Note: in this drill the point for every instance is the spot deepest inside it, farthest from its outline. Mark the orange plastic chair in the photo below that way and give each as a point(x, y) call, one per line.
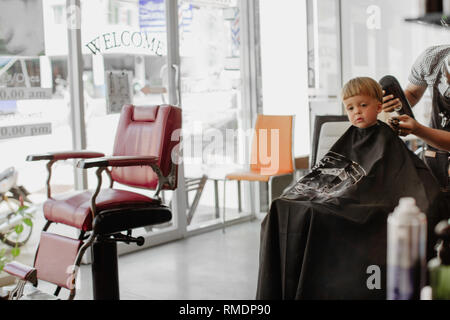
point(272, 154)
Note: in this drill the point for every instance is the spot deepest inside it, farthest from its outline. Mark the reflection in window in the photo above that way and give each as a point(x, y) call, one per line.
point(58, 14)
point(113, 12)
point(121, 12)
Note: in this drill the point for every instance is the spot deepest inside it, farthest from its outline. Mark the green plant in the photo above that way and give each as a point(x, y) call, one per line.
point(3, 259)
point(6, 255)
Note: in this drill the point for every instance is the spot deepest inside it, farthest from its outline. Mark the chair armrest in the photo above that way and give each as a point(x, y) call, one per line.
point(123, 161)
point(118, 161)
point(64, 155)
point(52, 157)
point(21, 271)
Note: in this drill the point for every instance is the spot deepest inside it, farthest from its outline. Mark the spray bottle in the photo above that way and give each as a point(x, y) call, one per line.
point(406, 251)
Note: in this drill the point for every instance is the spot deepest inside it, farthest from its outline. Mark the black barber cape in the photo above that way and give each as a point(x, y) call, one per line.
point(322, 235)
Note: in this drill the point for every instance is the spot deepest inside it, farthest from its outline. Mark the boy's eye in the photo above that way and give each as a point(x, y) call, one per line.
point(363, 105)
point(350, 108)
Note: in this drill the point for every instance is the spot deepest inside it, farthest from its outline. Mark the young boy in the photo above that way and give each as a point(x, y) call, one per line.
point(363, 100)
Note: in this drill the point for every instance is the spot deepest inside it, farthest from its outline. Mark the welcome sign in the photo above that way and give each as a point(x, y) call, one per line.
point(135, 41)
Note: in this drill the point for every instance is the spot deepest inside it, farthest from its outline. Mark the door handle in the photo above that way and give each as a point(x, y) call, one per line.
point(177, 83)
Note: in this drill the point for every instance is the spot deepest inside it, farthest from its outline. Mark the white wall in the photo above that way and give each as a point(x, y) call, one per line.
point(284, 64)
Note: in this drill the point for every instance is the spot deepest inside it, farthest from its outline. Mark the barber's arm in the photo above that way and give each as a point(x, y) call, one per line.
point(437, 138)
point(412, 92)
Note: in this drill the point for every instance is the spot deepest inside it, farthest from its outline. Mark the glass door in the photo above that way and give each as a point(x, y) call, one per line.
point(125, 53)
point(211, 90)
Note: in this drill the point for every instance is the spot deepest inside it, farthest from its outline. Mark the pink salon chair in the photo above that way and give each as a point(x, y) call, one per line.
point(144, 156)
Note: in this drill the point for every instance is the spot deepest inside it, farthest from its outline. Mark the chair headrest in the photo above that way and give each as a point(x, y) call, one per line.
point(145, 114)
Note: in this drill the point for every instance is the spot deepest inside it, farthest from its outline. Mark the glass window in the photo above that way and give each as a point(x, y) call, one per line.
point(34, 100)
point(124, 60)
point(374, 38)
point(323, 48)
point(377, 41)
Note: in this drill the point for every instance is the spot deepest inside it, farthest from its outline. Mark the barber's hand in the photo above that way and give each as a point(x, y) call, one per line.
point(390, 103)
point(403, 124)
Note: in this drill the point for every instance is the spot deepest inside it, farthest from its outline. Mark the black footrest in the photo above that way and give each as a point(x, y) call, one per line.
point(123, 219)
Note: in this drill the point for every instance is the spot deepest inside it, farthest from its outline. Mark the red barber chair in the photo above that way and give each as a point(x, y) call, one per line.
point(144, 156)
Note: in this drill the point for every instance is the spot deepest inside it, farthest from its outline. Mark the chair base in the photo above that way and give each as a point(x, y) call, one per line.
point(105, 277)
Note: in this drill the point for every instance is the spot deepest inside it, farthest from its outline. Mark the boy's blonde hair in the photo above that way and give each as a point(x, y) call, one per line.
point(362, 86)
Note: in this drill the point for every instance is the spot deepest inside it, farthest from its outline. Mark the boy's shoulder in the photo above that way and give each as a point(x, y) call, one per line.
point(390, 136)
point(387, 130)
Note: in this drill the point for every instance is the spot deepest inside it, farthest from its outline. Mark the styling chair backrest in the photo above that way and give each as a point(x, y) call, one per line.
point(148, 131)
point(327, 130)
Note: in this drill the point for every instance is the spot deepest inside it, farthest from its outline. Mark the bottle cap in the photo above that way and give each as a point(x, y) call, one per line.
point(407, 206)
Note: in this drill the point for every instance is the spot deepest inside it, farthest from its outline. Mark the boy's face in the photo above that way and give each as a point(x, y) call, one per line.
point(362, 110)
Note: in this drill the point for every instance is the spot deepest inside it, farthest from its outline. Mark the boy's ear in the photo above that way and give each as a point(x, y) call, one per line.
point(379, 107)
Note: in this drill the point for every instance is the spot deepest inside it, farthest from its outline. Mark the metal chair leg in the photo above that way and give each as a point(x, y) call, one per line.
point(199, 190)
point(239, 196)
point(223, 215)
point(216, 198)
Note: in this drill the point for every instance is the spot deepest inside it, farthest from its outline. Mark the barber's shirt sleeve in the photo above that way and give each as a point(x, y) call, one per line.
point(423, 69)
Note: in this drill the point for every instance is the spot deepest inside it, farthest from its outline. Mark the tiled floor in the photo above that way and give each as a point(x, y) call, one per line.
point(208, 266)
point(212, 265)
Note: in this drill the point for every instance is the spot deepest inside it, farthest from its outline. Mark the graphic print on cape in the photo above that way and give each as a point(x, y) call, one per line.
point(331, 177)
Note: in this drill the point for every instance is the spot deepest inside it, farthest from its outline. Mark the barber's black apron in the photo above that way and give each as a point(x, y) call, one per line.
point(438, 160)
